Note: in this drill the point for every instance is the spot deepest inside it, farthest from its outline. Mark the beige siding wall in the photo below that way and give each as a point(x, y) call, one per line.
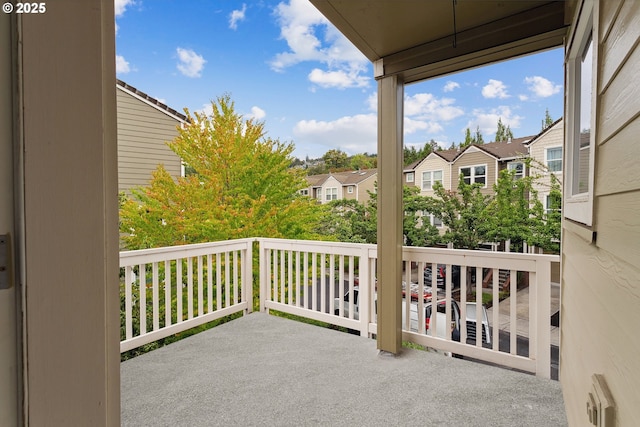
point(433, 163)
point(352, 195)
point(554, 137)
point(601, 279)
point(331, 182)
point(364, 187)
point(143, 132)
point(476, 158)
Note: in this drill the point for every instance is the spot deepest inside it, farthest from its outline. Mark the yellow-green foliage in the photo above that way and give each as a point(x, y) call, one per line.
point(242, 186)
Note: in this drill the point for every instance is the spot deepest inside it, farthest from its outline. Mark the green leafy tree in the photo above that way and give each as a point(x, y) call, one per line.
point(243, 186)
point(349, 221)
point(417, 229)
point(514, 213)
point(335, 160)
point(468, 139)
point(461, 212)
point(361, 161)
point(477, 137)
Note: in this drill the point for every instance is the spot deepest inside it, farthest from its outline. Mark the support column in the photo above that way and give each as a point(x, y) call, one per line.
point(390, 213)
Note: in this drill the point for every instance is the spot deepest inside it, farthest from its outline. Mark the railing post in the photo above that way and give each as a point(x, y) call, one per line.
point(365, 292)
point(542, 322)
point(247, 280)
point(262, 274)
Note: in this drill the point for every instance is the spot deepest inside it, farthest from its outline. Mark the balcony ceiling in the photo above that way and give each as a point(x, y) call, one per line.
point(418, 39)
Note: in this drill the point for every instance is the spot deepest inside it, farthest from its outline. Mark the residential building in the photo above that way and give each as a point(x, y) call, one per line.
point(145, 126)
point(545, 151)
point(349, 185)
point(59, 335)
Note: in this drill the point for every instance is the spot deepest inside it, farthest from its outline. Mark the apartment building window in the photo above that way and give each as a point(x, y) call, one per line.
point(437, 222)
point(429, 178)
point(319, 194)
point(517, 168)
point(304, 192)
point(475, 174)
point(554, 159)
point(350, 189)
point(410, 176)
point(581, 72)
point(332, 193)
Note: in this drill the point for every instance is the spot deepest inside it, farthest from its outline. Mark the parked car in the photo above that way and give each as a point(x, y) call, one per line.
point(442, 274)
point(413, 316)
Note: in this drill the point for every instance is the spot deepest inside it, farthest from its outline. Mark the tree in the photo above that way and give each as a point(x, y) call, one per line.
point(335, 160)
point(548, 121)
point(243, 186)
point(503, 133)
point(468, 139)
point(361, 161)
point(477, 138)
point(515, 212)
point(412, 155)
point(462, 212)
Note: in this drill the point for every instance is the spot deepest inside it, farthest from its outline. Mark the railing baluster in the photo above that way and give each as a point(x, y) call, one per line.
point(298, 273)
point(324, 280)
point(179, 300)
point(305, 294)
point(167, 294)
point(200, 287)
point(142, 300)
point(496, 314)
point(190, 287)
point(314, 279)
point(218, 281)
point(290, 278)
point(209, 283)
point(128, 325)
point(156, 296)
point(283, 291)
point(479, 315)
point(235, 277)
point(513, 312)
point(275, 283)
point(227, 280)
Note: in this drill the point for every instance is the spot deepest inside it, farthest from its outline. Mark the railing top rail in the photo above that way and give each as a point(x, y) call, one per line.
point(182, 251)
point(278, 243)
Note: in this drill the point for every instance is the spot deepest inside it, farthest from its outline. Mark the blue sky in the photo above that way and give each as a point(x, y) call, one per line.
point(284, 64)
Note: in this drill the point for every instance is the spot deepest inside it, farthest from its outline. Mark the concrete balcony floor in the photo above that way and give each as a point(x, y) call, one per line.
point(265, 370)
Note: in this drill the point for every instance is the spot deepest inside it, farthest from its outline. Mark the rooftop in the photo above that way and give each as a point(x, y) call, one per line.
point(265, 370)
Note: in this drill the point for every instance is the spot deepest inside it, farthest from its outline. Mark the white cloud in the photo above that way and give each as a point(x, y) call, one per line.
point(300, 25)
point(450, 86)
point(425, 106)
point(488, 121)
point(523, 97)
point(495, 89)
point(122, 66)
point(542, 87)
point(120, 6)
point(352, 134)
point(340, 79)
point(237, 16)
point(190, 63)
point(257, 113)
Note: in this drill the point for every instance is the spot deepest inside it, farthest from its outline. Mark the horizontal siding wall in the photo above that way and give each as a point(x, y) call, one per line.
point(143, 133)
point(601, 279)
point(433, 163)
point(475, 159)
point(553, 138)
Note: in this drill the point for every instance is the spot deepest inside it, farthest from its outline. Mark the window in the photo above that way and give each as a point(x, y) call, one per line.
point(553, 203)
point(554, 159)
point(319, 194)
point(437, 222)
point(429, 178)
point(332, 193)
point(475, 174)
point(304, 192)
point(410, 176)
point(517, 168)
point(579, 135)
point(350, 189)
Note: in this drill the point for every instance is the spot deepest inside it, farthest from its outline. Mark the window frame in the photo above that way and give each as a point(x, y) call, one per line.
point(561, 159)
point(512, 166)
point(410, 175)
point(472, 176)
point(350, 189)
point(578, 206)
point(431, 179)
point(331, 193)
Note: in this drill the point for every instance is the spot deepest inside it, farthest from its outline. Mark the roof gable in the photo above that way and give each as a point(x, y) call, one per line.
point(138, 94)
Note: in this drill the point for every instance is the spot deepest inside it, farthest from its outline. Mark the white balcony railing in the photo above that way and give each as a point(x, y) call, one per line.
point(335, 283)
point(168, 290)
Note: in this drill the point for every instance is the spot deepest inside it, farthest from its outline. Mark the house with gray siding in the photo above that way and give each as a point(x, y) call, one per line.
point(145, 125)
